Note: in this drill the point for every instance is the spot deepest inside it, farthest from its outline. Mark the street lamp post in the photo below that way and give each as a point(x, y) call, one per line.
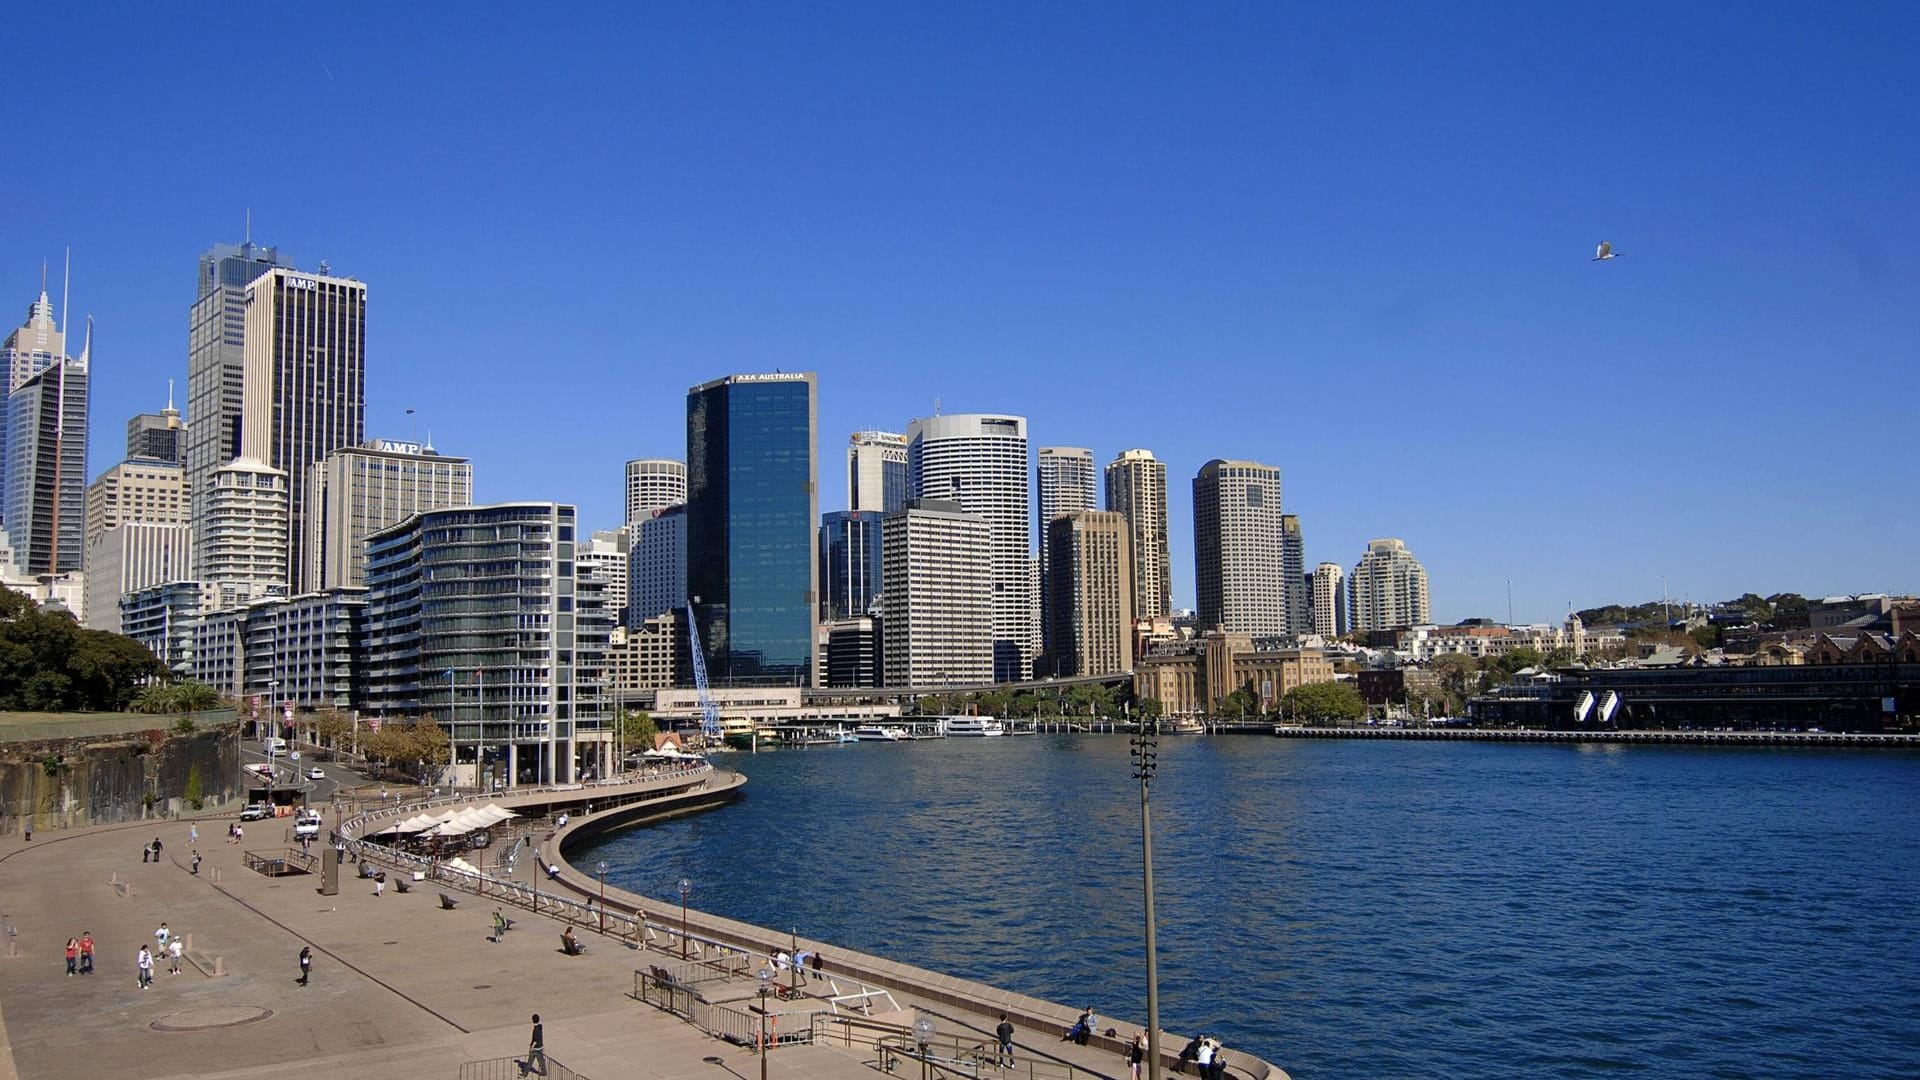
point(923, 1037)
point(766, 988)
point(273, 724)
point(602, 867)
point(1145, 760)
point(686, 890)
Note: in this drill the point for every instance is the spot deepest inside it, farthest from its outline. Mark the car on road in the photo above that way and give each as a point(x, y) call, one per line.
point(316, 773)
point(256, 811)
point(306, 825)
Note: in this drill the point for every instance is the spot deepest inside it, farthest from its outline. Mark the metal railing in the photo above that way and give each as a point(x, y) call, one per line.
point(959, 1055)
point(514, 1068)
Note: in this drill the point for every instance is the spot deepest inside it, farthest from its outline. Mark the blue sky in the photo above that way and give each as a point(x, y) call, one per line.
point(1349, 241)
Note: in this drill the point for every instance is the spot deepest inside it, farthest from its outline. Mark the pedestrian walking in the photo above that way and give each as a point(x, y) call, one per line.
point(73, 956)
point(239, 833)
point(86, 952)
point(537, 1049)
point(379, 882)
point(146, 853)
point(196, 864)
point(1136, 1054)
point(156, 849)
point(175, 950)
point(193, 833)
point(143, 968)
point(306, 963)
point(161, 935)
point(1005, 1034)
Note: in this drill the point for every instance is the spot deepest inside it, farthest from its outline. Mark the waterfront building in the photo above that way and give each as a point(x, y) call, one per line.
point(1480, 638)
point(1293, 560)
point(647, 658)
point(850, 565)
point(158, 436)
point(1191, 677)
point(851, 652)
point(46, 461)
point(657, 567)
point(216, 366)
point(162, 617)
point(876, 472)
point(979, 460)
point(1329, 585)
point(752, 512)
point(1137, 491)
point(1388, 588)
point(358, 490)
point(1063, 484)
point(653, 484)
point(304, 392)
point(747, 710)
point(130, 556)
point(1239, 553)
point(243, 536)
point(1091, 579)
point(937, 624)
point(485, 642)
point(605, 558)
point(137, 490)
point(29, 350)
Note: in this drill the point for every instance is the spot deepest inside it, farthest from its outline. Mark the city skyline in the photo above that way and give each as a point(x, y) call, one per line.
point(1435, 279)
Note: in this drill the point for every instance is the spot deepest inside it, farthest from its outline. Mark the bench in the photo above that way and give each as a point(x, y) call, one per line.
point(571, 947)
point(404, 884)
point(448, 903)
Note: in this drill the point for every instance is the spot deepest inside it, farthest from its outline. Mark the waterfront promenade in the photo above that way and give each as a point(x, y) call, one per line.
point(401, 987)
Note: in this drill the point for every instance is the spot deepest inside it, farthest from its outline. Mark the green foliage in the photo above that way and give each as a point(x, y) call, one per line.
point(55, 765)
point(333, 727)
point(48, 663)
point(1240, 703)
point(180, 697)
point(195, 793)
point(637, 729)
point(1322, 703)
point(409, 745)
point(183, 726)
point(1148, 708)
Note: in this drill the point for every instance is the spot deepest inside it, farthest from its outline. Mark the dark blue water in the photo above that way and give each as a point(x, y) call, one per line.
point(1359, 909)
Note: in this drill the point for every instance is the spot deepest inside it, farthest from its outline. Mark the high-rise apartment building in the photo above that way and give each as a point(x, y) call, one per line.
point(1137, 491)
point(850, 564)
point(128, 557)
point(876, 472)
point(1330, 600)
point(46, 488)
point(163, 617)
point(752, 512)
point(1091, 578)
point(936, 597)
point(980, 461)
point(216, 365)
point(243, 536)
point(137, 490)
point(657, 567)
point(488, 646)
point(606, 558)
point(28, 351)
point(851, 651)
point(157, 436)
point(1238, 548)
point(1293, 563)
point(653, 484)
point(1389, 588)
point(1063, 484)
point(359, 490)
point(304, 391)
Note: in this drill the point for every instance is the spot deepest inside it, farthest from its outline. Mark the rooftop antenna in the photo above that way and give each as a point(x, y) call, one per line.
point(936, 406)
point(43, 277)
point(169, 395)
point(1509, 601)
point(249, 239)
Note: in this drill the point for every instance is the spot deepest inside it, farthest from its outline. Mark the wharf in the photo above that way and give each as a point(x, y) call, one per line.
point(1603, 735)
point(403, 986)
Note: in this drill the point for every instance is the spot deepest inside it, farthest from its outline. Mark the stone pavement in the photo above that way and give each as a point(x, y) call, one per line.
point(400, 988)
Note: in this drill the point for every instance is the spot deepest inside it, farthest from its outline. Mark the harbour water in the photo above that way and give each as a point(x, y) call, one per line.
point(1359, 909)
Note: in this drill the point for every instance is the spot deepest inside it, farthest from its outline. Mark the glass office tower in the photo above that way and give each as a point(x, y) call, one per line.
point(752, 573)
point(849, 563)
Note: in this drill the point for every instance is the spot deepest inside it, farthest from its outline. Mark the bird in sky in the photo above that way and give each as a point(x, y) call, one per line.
point(1605, 251)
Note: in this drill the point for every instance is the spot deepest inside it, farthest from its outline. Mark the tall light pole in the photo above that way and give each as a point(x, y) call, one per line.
point(273, 724)
point(686, 890)
point(766, 987)
point(923, 1035)
point(1145, 760)
point(602, 867)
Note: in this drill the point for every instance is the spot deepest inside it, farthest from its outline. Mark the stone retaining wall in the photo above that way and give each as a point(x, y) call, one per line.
point(76, 782)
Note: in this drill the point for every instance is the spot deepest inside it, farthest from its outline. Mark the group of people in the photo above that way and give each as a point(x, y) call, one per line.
point(167, 946)
point(1207, 1055)
point(80, 954)
point(151, 853)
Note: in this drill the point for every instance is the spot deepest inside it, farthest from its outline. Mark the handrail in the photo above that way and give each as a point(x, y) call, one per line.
point(947, 1054)
point(350, 826)
point(513, 1068)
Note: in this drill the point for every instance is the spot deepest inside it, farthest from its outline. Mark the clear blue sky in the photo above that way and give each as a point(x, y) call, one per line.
point(1350, 241)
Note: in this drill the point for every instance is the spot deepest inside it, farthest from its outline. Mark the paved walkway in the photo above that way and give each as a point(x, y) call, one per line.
point(400, 988)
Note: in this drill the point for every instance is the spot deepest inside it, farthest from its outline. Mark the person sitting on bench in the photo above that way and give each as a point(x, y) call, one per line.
point(553, 871)
point(570, 944)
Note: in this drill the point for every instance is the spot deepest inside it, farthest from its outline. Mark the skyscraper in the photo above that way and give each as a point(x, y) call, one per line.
point(850, 567)
point(605, 558)
point(1389, 588)
point(752, 512)
point(1293, 563)
point(157, 436)
point(936, 611)
point(304, 391)
point(1137, 491)
point(1238, 548)
point(876, 471)
point(980, 461)
point(244, 533)
point(657, 574)
point(27, 352)
point(216, 366)
point(359, 490)
point(46, 490)
point(653, 484)
point(129, 557)
point(1063, 484)
point(1330, 600)
point(137, 490)
point(1091, 576)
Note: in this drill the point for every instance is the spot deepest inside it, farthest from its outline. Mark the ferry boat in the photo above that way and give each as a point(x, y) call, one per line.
point(876, 733)
point(965, 726)
point(1183, 725)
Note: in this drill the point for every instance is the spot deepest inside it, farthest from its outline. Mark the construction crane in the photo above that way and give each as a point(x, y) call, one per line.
point(709, 712)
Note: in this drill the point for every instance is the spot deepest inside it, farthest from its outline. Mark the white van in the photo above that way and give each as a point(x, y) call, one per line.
point(273, 745)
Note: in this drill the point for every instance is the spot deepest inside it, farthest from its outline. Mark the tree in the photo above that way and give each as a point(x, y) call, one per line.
point(1148, 708)
point(1325, 703)
point(332, 727)
point(637, 729)
point(1238, 704)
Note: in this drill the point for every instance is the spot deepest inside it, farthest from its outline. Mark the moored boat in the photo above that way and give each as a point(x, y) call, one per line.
point(973, 726)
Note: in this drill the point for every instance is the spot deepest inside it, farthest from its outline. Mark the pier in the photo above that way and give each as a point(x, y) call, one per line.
point(1524, 735)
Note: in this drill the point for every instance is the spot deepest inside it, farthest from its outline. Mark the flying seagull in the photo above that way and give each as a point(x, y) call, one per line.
point(1605, 251)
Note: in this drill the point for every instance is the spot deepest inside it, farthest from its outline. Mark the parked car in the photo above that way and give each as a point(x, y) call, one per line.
point(306, 825)
point(316, 773)
point(256, 811)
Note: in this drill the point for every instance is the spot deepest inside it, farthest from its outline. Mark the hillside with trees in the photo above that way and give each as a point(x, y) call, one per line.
point(49, 664)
